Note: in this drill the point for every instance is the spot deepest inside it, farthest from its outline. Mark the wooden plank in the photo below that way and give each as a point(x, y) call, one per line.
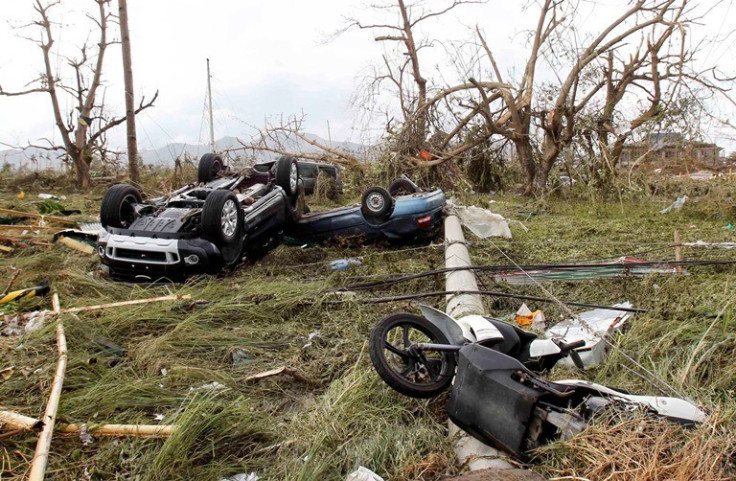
point(31, 215)
point(76, 245)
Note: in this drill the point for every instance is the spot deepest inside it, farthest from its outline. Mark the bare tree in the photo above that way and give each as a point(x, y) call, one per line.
point(404, 71)
point(82, 130)
point(282, 138)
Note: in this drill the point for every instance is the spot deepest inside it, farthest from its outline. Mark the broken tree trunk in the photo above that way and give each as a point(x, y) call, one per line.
point(40, 458)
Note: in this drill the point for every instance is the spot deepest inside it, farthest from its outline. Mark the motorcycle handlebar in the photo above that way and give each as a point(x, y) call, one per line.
point(571, 345)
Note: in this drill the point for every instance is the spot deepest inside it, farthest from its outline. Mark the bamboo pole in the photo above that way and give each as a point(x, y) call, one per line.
point(144, 430)
point(13, 420)
point(31, 215)
point(678, 251)
point(126, 303)
point(40, 458)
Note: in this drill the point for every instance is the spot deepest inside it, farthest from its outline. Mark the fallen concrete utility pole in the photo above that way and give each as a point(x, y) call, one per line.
point(467, 449)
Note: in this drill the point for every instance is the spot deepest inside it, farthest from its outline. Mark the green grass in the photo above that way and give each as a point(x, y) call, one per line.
point(344, 416)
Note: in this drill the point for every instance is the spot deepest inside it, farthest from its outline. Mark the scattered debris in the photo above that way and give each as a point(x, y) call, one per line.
point(700, 243)
point(212, 386)
point(483, 223)
point(85, 436)
point(76, 245)
point(7, 373)
point(278, 371)
point(39, 290)
point(42, 218)
point(675, 205)
point(363, 474)
point(164, 371)
point(525, 317)
point(591, 326)
point(626, 265)
point(343, 264)
point(242, 477)
point(51, 196)
point(239, 357)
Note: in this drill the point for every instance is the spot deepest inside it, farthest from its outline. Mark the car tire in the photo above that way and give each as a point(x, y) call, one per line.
point(222, 217)
point(287, 177)
point(376, 205)
point(118, 206)
point(210, 166)
point(297, 208)
point(402, 187)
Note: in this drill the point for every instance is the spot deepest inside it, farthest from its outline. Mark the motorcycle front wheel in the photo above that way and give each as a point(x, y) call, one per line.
point(414, 373)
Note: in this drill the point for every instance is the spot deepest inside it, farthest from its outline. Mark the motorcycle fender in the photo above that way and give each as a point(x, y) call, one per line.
point(444, 323)
point(479, 329)
point(543, 347)
point(673, 408)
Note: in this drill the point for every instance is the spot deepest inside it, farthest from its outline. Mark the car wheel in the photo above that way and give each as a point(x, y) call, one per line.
point(118, 206)
point(222, 217)
point(299, 207)
point(402, 187)
point(377, 205)
point(210, 165)
point(287, 176)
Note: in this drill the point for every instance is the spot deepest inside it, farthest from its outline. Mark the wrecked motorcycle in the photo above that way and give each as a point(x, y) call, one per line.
point(416, 355)
point(498, 400)
point(496, 395)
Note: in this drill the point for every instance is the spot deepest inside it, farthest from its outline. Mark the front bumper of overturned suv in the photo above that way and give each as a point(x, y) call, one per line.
point(149, 259)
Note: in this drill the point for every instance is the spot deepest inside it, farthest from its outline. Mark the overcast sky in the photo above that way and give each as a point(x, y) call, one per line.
point(267, 58)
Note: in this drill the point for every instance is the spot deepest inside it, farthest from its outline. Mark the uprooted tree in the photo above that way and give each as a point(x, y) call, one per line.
point(82, 130)
point(575, 86)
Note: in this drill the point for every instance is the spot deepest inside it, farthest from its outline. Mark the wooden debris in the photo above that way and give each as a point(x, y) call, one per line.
point(29, 228)
point(12, 280)
point(76, 245)
point(31, 215)
point(278, 371)
point(6, 249)
point(143, 430)
point(10, 420)
point(40, 458)
point(126, 303)
point(18, 422)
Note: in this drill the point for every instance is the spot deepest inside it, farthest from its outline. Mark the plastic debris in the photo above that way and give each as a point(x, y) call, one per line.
point(158, 417)
point(525, 317)
point(34, 321)
point(675, 205)
point(242, 477)
point(363, 474)
point(342, 264)
point(728, 226)
point(591, 326)
point(51, 196)
point(239, 357)
point(211, 386)
point(483, 223)
point(85, 436)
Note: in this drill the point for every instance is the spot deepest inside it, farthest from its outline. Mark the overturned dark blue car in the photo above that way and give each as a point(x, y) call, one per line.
point(403, 213)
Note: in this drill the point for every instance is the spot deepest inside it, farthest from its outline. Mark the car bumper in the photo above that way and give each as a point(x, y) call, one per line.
point(148, 259)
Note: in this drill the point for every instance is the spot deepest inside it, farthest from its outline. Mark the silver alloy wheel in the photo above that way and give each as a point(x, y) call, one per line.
point(375, 202)
point(229, 218)
point(293, 177)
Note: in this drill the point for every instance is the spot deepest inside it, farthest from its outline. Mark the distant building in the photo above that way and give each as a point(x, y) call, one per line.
point(663, 149)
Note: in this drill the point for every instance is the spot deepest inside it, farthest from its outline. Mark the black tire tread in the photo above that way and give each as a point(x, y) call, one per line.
point(111, 203)
point(389, 376)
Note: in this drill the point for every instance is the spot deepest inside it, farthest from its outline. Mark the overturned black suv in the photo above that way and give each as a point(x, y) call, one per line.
point(202, 227)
